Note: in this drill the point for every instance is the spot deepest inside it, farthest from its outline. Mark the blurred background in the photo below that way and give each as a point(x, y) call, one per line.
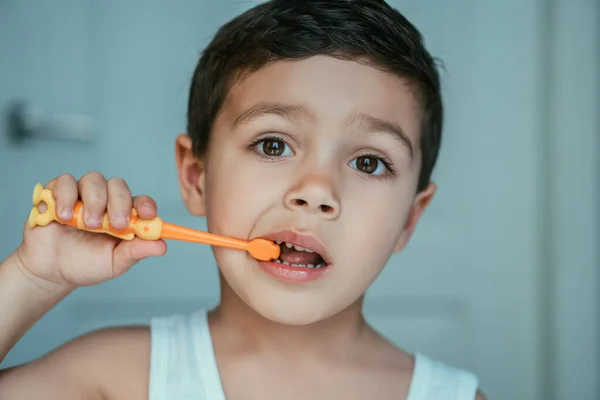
point(502, 275)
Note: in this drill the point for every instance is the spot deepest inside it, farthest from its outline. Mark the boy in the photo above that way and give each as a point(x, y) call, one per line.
point(315, 124)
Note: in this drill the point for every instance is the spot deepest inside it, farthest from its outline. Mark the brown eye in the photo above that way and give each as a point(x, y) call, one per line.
point(367, 164)
point(273, 147)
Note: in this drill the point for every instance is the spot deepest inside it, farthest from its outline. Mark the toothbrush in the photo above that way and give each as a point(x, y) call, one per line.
point(147, 229)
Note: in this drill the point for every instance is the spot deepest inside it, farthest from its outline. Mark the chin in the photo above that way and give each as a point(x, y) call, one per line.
point(289, 312)
point(281, 301)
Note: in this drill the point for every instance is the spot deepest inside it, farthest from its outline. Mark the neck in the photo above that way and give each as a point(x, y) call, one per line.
point(334, 334)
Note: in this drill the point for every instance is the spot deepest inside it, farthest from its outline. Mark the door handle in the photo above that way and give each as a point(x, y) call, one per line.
point(28, 122)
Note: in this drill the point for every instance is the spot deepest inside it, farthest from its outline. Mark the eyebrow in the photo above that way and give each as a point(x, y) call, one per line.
point(376, 125)
point(299, 113)
point(293, 113)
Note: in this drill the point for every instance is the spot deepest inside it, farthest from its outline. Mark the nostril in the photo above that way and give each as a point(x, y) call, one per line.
point(299, 202)
point(326, 209)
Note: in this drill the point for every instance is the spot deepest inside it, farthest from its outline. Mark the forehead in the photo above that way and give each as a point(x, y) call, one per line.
point(331, 89)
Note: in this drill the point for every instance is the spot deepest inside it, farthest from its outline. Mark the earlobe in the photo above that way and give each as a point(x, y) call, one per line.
point(420, 203)
point(190, 172)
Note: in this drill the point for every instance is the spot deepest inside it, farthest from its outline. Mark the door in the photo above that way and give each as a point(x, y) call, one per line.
point(466, 289)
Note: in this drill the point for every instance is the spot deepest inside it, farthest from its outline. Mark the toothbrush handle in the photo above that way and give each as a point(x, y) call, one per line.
point(145, 229)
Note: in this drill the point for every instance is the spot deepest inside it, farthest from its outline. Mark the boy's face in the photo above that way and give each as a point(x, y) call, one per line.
point(321, 153)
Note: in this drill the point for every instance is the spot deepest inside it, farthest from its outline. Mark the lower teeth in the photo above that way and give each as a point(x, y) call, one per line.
point(300, 265)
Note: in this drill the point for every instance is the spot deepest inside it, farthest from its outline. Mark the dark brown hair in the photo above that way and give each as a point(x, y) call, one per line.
point(298, 29)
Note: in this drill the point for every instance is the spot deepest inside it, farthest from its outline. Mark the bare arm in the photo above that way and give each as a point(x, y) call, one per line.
point(53, 260)
point(104, 365)
point(107, 364)
point(24, 299)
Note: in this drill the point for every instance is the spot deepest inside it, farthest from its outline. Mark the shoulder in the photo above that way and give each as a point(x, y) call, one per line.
point(111, 339)
point(114, 357)
point(98, 365)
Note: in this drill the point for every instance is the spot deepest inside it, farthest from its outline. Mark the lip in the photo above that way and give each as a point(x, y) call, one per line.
point(288, 273)
point(291, 274)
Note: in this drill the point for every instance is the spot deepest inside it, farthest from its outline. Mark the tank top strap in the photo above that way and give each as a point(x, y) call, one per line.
point(182, 360)
point(433, 380)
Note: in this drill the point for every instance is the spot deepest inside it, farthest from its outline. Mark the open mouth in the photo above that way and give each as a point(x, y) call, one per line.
point(296, 256)
point(303, 258)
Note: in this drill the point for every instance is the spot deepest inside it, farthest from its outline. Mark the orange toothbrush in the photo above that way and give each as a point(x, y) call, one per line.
point(151, 229)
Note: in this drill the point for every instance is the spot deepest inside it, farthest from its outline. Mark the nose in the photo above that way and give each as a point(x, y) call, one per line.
point(314, 194)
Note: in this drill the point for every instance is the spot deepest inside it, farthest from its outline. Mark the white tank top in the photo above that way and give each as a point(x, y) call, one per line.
point(183, 366)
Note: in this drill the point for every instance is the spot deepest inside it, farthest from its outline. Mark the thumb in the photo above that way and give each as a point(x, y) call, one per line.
point(129, 252)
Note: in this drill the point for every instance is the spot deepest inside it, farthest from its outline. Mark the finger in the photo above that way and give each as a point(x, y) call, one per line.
point(94, 193)
point(119, 203)
point(130, 252)
point(145, 207)
point(50, 185)
point(65, 192)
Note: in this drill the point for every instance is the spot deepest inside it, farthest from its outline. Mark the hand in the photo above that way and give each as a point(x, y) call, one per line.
point(70, 257)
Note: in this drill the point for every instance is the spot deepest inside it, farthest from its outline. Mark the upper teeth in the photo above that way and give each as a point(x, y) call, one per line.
point(297, 248)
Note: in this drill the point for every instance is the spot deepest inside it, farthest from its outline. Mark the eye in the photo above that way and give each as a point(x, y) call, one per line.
point(371, 165)
point(272, 147)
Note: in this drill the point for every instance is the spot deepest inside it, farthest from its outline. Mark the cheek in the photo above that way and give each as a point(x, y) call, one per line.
point(239, 189)
point(374, 223)
point(381, 209)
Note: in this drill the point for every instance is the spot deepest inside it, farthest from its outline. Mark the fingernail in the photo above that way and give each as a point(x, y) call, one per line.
point(121, 219)
point(93, 220)
point(65, 214)
point(147, 206)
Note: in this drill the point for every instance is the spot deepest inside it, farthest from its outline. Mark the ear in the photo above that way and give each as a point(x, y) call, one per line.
point(421, 202)
point(191, 174)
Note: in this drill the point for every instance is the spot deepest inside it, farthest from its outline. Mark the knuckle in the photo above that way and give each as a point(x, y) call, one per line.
point(92, 176)
point(96, 175)
point(66, 187)
point(117, 181)
point(65, 178)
